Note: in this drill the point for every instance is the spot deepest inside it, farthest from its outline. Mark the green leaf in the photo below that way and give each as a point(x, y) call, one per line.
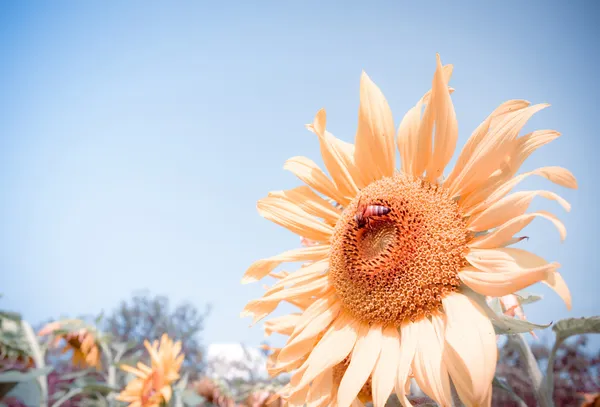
point(527, 298)
point(13, 316)
point(505, 325)
point(182, 383)
point(76, 374)
point(28, 393)
point(98, 387)
point(576, 326)
point(72, 393)
point(502, 384)
point(191, 398)
point(5, 388)
point(13, 376)
point(91, 385)
point(38, 356)
point(99, 318)
point(532, 369)
point(563, 330)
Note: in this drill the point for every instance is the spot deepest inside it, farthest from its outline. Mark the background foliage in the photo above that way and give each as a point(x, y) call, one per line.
point(33, 373)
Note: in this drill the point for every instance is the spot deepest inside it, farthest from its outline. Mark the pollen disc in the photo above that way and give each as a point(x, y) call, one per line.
point(400, 265)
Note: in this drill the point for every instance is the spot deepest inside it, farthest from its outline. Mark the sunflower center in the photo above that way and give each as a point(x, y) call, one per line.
point(397, 250)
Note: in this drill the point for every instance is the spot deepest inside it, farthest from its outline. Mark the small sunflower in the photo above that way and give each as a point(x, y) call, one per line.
point(152, 384)
point(394, 279)
point(81, 341)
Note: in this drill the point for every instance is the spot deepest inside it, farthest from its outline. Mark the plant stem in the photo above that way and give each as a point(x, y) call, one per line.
point(38, 357)
point(550, 368)
point(543, 398)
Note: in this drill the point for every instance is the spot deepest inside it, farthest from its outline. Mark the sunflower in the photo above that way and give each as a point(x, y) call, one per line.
point(80, 340)
point(152, 384)
point(396, 284)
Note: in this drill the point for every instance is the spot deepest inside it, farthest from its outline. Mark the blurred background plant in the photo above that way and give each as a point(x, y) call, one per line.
point(79, 362)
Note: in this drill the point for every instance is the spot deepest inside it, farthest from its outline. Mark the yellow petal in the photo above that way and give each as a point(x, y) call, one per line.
point(505, 232)
point(408, 131)
point(502, 283)
point(423, 146)
point(489, 194)
point(429, 370)
point(293, 218)
point(386, 368)
point(510, 207)
point(304, 341)
point(316, 308)
point(166, 392)
point(335, 345)
point(261, 268)
point(555, 281)
point(295, 291)
point(527, 144)
point(320, 390)
point(338, 157)
point(283, 325)
point(310, 173)
point(364, 356)
point(479, 134)
point(491, 151)
point(409, 335)
point(408, 134)
point(527, 260)
point(375, 152)
point(134, 371)
point(503, 259)
point(261, 307)
point(471, 353)
point(304, 275)
point(446, 126)
point(310, 202)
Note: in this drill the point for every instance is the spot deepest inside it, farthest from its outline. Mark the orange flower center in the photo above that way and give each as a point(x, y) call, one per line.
point(397, 266)
point(151, 387)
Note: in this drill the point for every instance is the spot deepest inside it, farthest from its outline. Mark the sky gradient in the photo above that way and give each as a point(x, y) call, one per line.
point(136, 137)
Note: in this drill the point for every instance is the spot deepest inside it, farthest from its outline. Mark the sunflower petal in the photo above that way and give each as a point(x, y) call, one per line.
point(430, 373)
point(471, 353)
point(375, 151)
point(492, 150)
point(446, 126)
point(293, 218)
point(488, 195)
point(320, 389)
point(480, 133)
point(505, 232)
point(304, 341)
point(409, 335)
point(261, 268)
point(510, 207)
point(283, 325)
point(336, 344)
point(337, 155)
point(502, 283)
point(384, 374)
point(310, 173)
point(364, 356)
point(310, 202)
point(408, 131)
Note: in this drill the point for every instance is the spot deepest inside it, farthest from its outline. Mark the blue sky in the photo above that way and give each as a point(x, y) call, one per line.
point(136, 137)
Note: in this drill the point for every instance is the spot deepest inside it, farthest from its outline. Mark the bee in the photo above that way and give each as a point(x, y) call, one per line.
point(364, 213)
